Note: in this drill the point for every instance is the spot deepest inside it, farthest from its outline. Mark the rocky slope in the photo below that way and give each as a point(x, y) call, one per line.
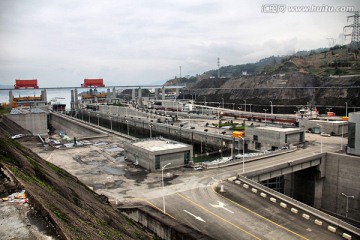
point(75, 210)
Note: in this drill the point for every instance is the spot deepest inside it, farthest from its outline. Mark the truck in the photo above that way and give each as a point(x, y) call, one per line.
point(237, 134)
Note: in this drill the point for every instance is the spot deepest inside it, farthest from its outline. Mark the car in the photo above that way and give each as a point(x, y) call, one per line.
point(325, 134)
point(17, 136)
point(199, 168)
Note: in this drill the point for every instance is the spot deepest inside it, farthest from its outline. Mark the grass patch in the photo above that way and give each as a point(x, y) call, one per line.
point(60, 215)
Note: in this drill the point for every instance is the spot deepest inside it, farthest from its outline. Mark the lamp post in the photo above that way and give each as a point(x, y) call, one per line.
point(98, 118)
point(150, 126)
point(347, 203)
point(110, 123)
point(222, 102)
point(271, 107)
point(180, 131)
point(265, 109)
point(89, 116)
point(320, 137)
point(346, 109)
point(250, 106)
point(162, 180)
point(243, 157)
point(127, 126)
point(245, 105)
point(204, 100)
point(233, 106)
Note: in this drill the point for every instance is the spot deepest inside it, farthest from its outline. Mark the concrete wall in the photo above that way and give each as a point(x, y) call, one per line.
point(342, 176)
point(72, 128)
point(162, 225)
point(34, 122)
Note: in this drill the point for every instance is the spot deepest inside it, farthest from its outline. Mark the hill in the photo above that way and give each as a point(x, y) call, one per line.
point(320, 78)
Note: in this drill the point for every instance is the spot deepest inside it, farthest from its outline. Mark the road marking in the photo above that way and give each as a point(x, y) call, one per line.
point(227, 221)
point(260, 216)
point(196, 217)
point(221, 205)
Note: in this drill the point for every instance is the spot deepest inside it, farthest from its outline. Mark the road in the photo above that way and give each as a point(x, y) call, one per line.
point(248, 216)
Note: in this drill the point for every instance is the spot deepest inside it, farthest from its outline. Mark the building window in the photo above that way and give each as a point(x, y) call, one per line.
point(157, 162)
point(256, 138)
point(351, 135)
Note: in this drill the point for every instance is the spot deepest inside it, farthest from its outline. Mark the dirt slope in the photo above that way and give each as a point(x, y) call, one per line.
point(75, 210)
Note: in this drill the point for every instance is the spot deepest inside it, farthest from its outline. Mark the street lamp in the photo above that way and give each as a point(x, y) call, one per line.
point(162, 177)
point(265, 116)
point(233, 106)
point(245, 105)
point(346, 109)
point(89, 116)
point(98, 118)
point(347, 203)
point(205, 100)
point(151, 129)
point(271, 105)
point(127, 126)
point(110, 122)
point(320, 136)
point(180, 131)
point(250, 107)
point(243, 140)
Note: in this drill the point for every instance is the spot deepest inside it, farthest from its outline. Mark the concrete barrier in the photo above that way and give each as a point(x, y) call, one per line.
point(263, 195)
point(346, 236)
point(246, 186)
point(294, 210)
point(284, 205)
point(254, 190)
point(273, 199)
point(307, 217)
point(237, 182)
point(318, 222)
point(331, 229)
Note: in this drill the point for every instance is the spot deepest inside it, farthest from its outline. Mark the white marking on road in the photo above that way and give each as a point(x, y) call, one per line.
point(196, 217)
point(221, 205)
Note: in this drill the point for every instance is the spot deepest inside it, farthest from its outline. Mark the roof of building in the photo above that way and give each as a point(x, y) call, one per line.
point(278, 129)
point(159, 144)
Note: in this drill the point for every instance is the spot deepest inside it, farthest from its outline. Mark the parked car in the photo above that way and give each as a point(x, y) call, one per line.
point(325, 134)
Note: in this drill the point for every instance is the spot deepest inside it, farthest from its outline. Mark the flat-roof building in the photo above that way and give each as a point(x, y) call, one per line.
point(267, 137)
point(154, 153)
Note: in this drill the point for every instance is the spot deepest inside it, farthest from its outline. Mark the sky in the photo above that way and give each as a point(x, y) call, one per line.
point(138, 42)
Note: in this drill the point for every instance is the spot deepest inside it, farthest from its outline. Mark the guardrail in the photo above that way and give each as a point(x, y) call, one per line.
point(308, 213)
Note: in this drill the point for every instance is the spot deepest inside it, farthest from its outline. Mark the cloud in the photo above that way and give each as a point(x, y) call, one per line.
point(128, 42)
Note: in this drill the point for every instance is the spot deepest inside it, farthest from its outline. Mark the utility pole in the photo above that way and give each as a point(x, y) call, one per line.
point(218, 63)
point(355, 34)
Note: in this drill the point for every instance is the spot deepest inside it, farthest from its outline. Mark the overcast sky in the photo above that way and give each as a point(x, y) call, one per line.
point(130, 42)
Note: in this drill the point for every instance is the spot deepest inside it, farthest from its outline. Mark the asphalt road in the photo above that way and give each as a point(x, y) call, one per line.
point(246, 216)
